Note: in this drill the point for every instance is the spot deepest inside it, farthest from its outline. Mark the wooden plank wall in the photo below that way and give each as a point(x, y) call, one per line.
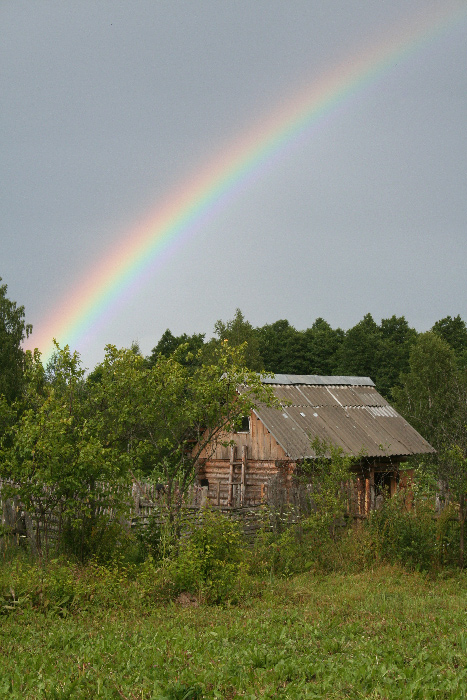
point(259, 441)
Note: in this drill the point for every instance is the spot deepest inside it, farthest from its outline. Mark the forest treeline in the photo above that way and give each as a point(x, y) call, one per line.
point(368, 349)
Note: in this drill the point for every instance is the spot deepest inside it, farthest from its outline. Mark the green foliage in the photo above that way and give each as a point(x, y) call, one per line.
point(59, 467)
point(157, 420)
point(397, 341)
point(325, 476)
point(322, 346)
point(97, 536)
point(433, 398)
point(453, 468)
point(13, 330)
point(60, 587)
point(158, 538)
point(239, 332)
point(454, 332)
point(209, 562)
point(314, 536)
point(384, 633)
point(429, 396)
point(191, 355)
point(281, 553)
point(285, 349)
point(78, 441)
point(361, 349)
point(180, 691)
point(409, 536)
point(280, 348)
point(380, 352)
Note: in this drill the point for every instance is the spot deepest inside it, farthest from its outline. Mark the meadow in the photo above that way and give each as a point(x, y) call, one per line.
point(99, 632)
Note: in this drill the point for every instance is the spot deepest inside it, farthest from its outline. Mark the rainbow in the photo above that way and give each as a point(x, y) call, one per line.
point(189, 206)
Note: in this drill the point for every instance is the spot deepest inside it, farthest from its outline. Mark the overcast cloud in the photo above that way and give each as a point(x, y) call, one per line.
point(108, 105)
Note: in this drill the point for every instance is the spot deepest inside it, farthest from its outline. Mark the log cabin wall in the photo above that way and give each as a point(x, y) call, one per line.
point(238, 474)
point(226, 486)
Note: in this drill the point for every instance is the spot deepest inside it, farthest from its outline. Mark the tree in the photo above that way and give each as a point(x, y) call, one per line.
point(275, 341)
point(322, 346)
point(360, 351)
point(13, 330)
point(169, 343)
point(454, 332)
point(239, 332)
point(157, 420)
point(397, 339)
point(56, 462)
point(324, 477)
point(429, 393)
point(433, 397)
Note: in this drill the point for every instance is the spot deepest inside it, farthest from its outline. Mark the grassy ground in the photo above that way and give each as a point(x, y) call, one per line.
point(380, 634)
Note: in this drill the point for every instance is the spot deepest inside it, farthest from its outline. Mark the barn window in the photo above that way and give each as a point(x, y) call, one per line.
point(244, 425)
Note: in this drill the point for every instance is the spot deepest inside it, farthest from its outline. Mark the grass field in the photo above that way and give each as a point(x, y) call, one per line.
point(385, 633)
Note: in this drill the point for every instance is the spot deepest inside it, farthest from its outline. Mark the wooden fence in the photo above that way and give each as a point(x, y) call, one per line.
point(144, 503)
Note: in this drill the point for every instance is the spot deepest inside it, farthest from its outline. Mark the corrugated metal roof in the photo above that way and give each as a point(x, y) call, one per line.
point(345, 411)
point(316, 379)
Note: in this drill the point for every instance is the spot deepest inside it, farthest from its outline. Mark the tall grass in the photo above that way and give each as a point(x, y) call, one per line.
point(97, 633)
point(368, 611)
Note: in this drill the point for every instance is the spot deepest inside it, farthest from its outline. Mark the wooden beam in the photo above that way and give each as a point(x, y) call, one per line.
point(372, 489)
point(233, 451)
point(243, 474)
point(367, 496)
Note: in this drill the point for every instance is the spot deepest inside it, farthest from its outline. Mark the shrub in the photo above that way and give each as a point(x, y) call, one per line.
point(409, 537)
point(97, 538)
point(211, 560)
point(158, 537)
point(60, 587)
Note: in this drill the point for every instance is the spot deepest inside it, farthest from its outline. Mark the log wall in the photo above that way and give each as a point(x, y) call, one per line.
point(235, 483)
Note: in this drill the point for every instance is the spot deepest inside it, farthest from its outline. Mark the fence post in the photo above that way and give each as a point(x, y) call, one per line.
point(233, 451)
point(30, 533)
point(204, 497)
point(243, 474)
point(136, 495)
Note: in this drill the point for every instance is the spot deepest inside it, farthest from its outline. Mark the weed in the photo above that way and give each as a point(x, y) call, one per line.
point(209, 561)
point(181, 692)
point(385, 633)
point(408, 536)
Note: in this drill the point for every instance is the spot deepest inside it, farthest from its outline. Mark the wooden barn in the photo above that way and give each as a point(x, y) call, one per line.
point(347, 412)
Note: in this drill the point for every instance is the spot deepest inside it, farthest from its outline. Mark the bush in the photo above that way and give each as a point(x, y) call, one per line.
point(314, 543)
point(211, 560)
point(158, 537)
point(97, 538)
point(406, 536)
point(60, 587)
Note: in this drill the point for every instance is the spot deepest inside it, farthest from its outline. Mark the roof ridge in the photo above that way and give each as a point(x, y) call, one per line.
point(317, 380)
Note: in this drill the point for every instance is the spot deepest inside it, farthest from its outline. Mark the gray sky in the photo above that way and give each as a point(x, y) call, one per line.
point(106, 106)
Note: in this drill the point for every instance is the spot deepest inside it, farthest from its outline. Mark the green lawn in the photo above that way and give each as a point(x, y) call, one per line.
point(380, 634)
